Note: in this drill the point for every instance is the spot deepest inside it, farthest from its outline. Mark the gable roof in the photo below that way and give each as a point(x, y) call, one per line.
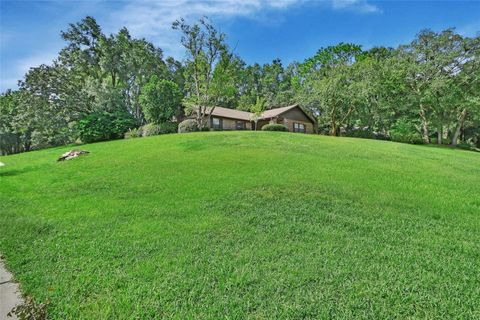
point(247, 116)
point(277, 111)
point(230, 113)
point(272, 113)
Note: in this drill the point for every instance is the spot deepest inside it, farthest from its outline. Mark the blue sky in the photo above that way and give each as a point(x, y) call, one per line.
point(259, 30)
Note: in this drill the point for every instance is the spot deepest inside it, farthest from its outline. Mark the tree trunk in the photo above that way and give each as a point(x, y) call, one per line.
point(439, 134)
point(27, 144)
point(199, 117)
point(333, 124)
point(333, 129)
point(209, 121)
point(461, 120)
point(425, 134)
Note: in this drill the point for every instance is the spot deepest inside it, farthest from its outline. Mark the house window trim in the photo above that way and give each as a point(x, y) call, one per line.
point(297, 129)
point(243, 125)
point(220, 123)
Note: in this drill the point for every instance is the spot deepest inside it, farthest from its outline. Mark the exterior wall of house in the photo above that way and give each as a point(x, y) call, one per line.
point(296, 115)
point(231, 124)
point(261, 123)
point(289, 124)
point(288, 119)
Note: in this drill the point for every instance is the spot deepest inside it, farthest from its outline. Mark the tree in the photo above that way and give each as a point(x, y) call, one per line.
point(276, 85)
point(272, 82)
point(116, 64)
point(378, 92)
point(324, 82)
point(250, 86)
point(257, 110)
point(10, 137)
point(160, 100)
point(207, 68)
point(466, 85)
point(93, 73)
point(28, 122)
point(434, 61)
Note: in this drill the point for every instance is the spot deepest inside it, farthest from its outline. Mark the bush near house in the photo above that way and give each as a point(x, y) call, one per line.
point(168, 127)
point(274, 127)
point(188, 125)
point(152, 129)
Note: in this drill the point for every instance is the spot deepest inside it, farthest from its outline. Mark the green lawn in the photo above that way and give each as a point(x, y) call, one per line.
point(245, 225)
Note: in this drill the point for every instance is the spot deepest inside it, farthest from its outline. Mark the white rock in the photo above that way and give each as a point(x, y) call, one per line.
point(71, 154)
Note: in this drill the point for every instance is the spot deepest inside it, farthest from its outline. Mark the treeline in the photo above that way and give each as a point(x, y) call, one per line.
point(99, 86)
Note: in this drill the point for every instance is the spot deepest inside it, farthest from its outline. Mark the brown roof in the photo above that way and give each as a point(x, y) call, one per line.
point(272, 113)
point(247, 116)
point(230, 113)
point(267, 114)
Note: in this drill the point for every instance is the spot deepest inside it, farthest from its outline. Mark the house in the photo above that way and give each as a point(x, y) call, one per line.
point(293, 117)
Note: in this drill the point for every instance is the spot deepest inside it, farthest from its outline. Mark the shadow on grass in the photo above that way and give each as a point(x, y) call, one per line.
point(13, 172)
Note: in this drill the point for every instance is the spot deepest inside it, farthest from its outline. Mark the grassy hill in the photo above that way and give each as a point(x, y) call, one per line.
point(245, 224)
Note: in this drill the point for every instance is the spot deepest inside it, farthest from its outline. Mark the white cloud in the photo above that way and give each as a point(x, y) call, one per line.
point(361, 6)
point(153, 19)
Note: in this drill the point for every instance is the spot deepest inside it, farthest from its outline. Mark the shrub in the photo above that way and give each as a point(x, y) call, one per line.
point(206, 129)
point(168, 127)
point(360, 133)
point(153, 129)
point(133, 133)
point(404, 131)
point(189, 125)
point(100, 126)
point(274, 127)
point(150, 129)
point(465, 146)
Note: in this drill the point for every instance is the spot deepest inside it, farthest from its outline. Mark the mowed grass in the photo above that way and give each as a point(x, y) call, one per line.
point(242, 225)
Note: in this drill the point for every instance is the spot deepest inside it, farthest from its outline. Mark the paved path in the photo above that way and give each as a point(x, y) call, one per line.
point(9, 293)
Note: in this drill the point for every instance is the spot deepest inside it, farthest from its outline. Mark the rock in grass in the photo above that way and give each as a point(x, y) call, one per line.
point(2, 164)
point(71, 154)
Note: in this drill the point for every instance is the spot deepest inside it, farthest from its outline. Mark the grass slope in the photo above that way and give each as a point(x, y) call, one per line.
point(245, 224)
